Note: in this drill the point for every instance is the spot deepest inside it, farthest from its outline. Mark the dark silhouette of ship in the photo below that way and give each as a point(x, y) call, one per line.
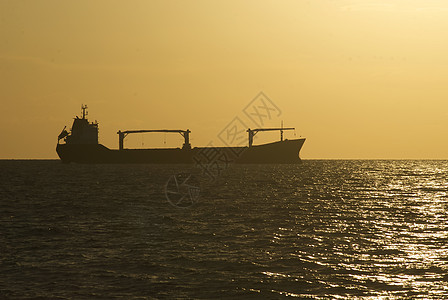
point(81, 145)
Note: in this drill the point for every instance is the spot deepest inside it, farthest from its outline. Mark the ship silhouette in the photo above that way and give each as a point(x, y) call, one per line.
point(80, 145)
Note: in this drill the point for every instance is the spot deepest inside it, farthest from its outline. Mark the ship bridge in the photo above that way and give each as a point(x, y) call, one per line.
point(82, 131)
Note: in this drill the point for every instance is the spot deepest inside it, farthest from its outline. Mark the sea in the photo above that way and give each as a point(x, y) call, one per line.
point(323, 229)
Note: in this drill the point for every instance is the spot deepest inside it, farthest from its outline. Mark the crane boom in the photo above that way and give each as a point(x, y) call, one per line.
point(184, 133)
point(253, 132)
point(154, 130)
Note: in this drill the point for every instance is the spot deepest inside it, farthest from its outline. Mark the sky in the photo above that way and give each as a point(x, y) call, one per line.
point(359, 79)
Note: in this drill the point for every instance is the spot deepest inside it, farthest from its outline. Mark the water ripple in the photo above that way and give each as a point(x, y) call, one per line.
point(321, 230)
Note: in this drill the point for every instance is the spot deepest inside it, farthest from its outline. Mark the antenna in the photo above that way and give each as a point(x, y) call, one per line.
point(281, 132)
point(84, 111)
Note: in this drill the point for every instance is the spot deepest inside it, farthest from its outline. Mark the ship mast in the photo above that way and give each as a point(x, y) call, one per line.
point(84, 111)
point(281, 133)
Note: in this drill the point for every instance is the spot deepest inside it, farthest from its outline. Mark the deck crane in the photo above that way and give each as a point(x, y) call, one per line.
point(184, 133)
point(253, 132)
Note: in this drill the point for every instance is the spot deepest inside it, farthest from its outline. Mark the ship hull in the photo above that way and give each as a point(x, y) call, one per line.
point(278, 152)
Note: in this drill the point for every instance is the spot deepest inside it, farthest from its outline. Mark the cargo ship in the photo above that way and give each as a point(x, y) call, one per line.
point(80, 145)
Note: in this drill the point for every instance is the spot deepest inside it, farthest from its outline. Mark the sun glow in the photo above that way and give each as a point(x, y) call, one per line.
point(366, 77)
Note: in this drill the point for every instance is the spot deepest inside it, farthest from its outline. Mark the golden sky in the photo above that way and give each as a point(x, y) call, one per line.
point(358, 79)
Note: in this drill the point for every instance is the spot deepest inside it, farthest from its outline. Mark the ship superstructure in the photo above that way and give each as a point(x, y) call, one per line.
point(82, 131)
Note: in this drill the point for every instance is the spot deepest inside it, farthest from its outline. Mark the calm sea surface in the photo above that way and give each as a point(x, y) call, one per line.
point(319, 230)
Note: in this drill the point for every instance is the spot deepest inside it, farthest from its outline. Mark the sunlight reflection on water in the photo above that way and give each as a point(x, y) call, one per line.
point(381, 232)
point(321, 230)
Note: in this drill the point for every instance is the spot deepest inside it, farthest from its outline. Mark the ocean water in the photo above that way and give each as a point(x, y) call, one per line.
point(319, 230)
